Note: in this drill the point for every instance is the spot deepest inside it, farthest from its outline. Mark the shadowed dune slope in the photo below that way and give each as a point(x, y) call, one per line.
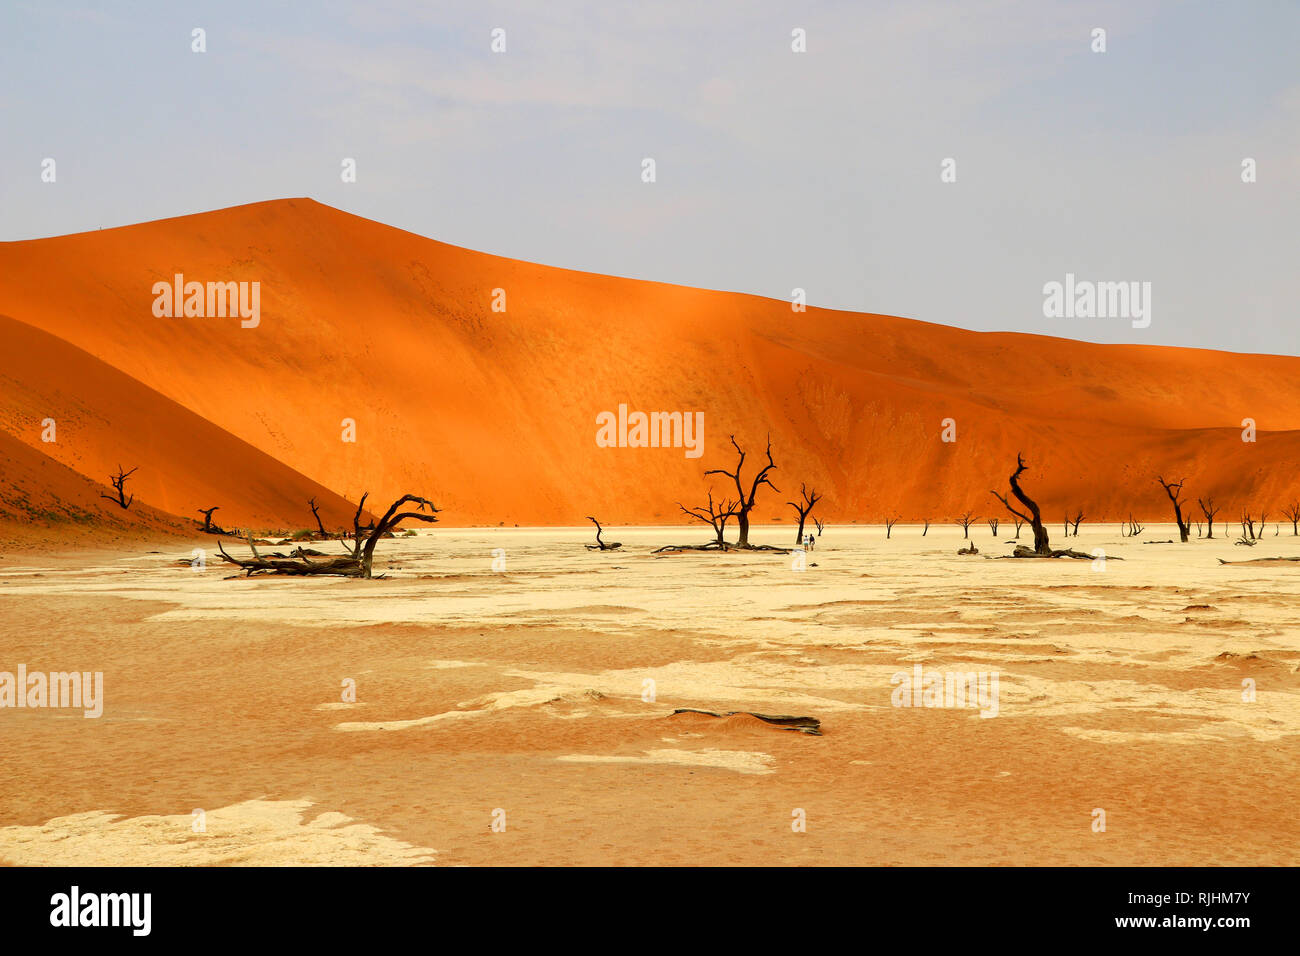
point(104, 418)
point(493, 414)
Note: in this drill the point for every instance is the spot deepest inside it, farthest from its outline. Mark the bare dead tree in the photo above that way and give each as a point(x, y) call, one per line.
point(316, 513)
point(804, 508)
point(1263, 518)
point(1042, 545)
point(208, 526)
point(357, 561)
point(1174, 490)
point(889, 524)
point(1200, 527)
point(965, 521)
point(1134, 529)
point(993, 526)
point(119, 482)
point(1073, 523)
point(601, 545)
point(1209, 509)
point(1247, 530)
point(746, 503)
point(1292, 512)
point(715, 515)
point(926, 529)
point(817, 522)
point(1019, 523)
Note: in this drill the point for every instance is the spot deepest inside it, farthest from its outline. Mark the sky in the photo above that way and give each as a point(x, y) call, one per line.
point(775, 170)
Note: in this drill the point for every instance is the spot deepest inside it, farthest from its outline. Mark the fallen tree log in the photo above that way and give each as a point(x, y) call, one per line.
point(358, 559)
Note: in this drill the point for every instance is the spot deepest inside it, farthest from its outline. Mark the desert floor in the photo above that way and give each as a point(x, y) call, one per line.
point(520, 696)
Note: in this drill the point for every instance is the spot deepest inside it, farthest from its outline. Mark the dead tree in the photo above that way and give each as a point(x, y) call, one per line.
point(926, 528)
point(1019, 524)
point(817, 522)
point(1042, 545)
point(993, 526)
point(1075, 522)
point(1247, 530)
point(804, 508)
point(714, 515)
point(119, 482)
point(746, 503)
point(1292, 512)
point(208, 526)
point(1174, 489)
point(1200, 527)
point(358, 558)
point(965, 521)
point(316, 513)
point(1134, 529)
point(601, 545)
point(889, 525)
point(1263, 518)
point(1209, 509)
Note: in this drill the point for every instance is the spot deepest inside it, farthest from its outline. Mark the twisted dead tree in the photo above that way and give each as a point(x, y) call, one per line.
point(316, 514)
point(1174, 490)
point(818, 524)
point(208, 526)
point(1292, 512)
point(600, 545)
point(889, 524)
point(746, 501)
point(1075, 522)
point(1209, 509)
point(965, 521)
point(1041, 545)
point(1134, 529)
point(357, 561)
point(804, 508)
point(716, 516)
point(926, 529)
point(119, 485)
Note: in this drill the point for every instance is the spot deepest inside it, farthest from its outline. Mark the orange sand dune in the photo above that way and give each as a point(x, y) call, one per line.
point(104, 418)
point(493, 414)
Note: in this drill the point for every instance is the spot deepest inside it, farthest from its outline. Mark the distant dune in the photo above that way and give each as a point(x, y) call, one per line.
point(493, 414)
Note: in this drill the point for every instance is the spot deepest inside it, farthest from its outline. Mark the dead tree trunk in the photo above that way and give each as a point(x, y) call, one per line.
point(965, 521)
point(1042, 545)
point(601, 545)
point(804, 507)
point(316, 513)
point(208, 526)
point(746, 503)
point(1019, 524)
point(1292, 512)
point(119, 483)
point(926, 529)
point(1075, 521)
point(993, 526)
point(1173, 489)
point(889, 525)
point(1209, 509)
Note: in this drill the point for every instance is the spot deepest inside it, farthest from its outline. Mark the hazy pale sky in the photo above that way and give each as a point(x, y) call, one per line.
point(775, 169)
